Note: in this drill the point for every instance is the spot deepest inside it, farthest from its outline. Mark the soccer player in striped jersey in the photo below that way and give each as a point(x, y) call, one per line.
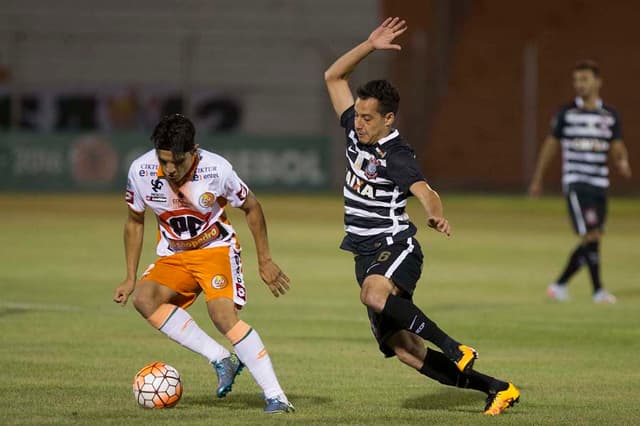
point(188, 188)
point(381, 174)
point(589, 132)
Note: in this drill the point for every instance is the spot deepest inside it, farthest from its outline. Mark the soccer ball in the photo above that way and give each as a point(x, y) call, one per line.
point(157, 385)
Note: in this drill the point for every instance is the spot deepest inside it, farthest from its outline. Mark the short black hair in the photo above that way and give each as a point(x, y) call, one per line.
point(382, 90)
point(588, 65)
point(174, 133)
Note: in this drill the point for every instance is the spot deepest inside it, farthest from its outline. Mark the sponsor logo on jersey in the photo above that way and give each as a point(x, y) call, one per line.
point(219, 282)
point(156, 198)
point(589, 145)
point(359, 186)
point(197, 177)
point(156, 184)
point(201, 240)
point(180, 203)
point(206, 169)
point(128, 197)
point(206, 200)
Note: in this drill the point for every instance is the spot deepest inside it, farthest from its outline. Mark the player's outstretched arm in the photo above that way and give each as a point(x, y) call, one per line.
point(270, 272)
point(548, 151)
point(621, 158)
point(133, 239)
point(432, 205)
point(336, 76)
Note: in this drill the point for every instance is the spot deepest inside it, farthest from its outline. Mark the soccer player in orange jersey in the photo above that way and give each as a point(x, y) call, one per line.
point(188, 189)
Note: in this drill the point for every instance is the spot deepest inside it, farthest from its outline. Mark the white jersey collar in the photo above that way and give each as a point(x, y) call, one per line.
point(394, 134)
point(580, 103)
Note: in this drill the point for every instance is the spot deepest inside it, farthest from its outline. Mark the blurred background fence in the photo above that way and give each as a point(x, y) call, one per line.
point(83, 83)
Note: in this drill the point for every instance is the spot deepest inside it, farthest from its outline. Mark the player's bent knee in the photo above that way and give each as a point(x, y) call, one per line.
point(147, 298)
point(408, 358)
point(223, 314)
point(374, 293)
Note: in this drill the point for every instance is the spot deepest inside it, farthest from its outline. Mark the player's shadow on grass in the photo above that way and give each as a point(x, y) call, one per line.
point(239, 400)
point(628, 293)
point(445, 399)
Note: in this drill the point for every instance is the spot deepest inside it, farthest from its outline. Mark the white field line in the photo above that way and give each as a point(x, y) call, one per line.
point(39, 307)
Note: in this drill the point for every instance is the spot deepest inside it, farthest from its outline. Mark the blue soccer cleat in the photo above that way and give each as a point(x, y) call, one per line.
point(227, 369)
point(278, 406)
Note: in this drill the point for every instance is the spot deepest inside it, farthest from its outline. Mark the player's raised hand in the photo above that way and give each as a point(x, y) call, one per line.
point(382, 36)
point(123, 291)
point(274, 278)
point(440, 224)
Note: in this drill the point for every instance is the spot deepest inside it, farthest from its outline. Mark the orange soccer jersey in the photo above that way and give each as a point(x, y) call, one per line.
point(197, 245)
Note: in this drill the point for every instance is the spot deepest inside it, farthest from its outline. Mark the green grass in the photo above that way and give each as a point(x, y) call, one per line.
point(68, 353)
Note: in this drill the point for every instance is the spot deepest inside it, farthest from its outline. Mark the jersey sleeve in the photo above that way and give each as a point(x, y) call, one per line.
point(133, 196)
point(234, 189)
point(403, 169)
point(616, 130)
point(557, 124)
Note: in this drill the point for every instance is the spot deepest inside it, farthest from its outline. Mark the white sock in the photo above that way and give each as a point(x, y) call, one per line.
point(179, 326)
point(251, 351)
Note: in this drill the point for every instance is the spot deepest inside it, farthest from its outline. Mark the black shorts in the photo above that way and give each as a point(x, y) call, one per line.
point(401, 262)
point(587, 209)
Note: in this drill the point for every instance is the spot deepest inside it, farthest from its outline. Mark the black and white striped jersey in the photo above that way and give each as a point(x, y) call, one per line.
point(376, 188)
point(586, 137)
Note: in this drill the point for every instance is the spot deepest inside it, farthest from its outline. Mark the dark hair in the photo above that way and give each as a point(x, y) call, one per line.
point(174, 133)
point(387, 95)
point(588, 65)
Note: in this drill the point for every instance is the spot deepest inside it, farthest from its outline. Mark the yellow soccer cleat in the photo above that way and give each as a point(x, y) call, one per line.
point(466, 356)
point(498, 402)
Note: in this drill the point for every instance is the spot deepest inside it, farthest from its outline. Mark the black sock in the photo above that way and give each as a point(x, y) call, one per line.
point(484, 383)
point(438, 367)
point(411, 318)
point(592, 256)
point(576, 260)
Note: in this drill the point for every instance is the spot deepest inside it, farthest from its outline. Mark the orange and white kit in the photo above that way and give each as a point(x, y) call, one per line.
point(197, 245)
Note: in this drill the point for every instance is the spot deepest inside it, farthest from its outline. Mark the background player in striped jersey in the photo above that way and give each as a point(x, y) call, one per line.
point(588, 132)
point(381, 174)
point(188, 188)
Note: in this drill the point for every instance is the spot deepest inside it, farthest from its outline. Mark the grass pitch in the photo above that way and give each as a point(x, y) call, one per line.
point(68, 353)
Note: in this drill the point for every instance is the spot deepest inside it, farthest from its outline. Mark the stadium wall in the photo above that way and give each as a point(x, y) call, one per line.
point(507, 70)
point(96, 162)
